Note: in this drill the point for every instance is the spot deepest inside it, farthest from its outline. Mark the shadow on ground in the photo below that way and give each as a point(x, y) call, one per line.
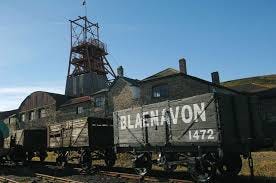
point(30, 170)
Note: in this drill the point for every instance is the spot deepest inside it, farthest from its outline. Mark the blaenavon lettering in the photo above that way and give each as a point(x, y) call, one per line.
point(185, 114)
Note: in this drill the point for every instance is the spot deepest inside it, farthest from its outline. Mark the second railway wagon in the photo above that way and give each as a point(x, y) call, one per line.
point(212, 130)
point(88, 137)
point(83, 139)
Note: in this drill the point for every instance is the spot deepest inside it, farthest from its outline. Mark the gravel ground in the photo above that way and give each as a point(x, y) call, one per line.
point(27, 175)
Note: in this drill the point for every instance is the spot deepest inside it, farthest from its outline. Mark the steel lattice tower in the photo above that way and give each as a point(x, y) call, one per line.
point(88, 69)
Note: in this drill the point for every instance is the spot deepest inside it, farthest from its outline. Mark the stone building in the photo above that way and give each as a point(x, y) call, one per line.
point(168, 84)
point(42, 108)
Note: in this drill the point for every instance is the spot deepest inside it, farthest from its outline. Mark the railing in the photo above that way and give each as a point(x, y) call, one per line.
point(94, 42)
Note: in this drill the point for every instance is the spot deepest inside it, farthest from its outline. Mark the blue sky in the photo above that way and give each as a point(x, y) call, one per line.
point(236, 38)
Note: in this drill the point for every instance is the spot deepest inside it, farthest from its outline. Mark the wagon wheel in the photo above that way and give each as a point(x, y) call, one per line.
point(110, 158)
point(203, 170)
point(17, 154)
point(61, 160)
point(168, 157)
point(142, 164)
point(170, 168)
point(30, 156)
point(231, 165)
point(86, 160)
point(42, 156)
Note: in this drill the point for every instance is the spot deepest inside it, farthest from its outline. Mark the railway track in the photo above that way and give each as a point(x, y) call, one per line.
point(48, 178)
point(43, 178)
point(140, 178)
point(6, 180)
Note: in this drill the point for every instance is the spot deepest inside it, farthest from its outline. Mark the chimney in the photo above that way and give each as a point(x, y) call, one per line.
point(120, 71)
point(182, 66)
point(215, 78)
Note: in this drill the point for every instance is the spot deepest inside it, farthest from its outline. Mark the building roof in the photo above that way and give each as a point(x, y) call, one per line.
point(76, 101)
point(129, 81)
point(169, 72)
point(59, 97)
point(250, 87)
point(161, 74)
point(40, 98)
point(172, 73)
point(6, 114)
point(132, 82)
point(100, 91)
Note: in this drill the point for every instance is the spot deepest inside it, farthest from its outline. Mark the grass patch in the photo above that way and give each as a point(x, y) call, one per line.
point(264, 164)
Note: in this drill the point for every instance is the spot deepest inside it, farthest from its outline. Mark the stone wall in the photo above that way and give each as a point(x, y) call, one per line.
point(121, 96)
point(179, 87)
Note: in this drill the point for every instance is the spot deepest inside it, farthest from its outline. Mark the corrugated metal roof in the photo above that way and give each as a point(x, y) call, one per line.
point(40, 99)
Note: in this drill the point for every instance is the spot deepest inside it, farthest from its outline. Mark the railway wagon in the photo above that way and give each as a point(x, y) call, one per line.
point(84, 139)
point(208, 133)
point(19, 144)
point(26, 143)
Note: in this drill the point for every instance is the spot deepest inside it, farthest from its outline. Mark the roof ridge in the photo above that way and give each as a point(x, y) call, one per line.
point(163, 71)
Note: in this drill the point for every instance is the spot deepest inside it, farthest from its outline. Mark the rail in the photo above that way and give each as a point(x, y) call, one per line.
point(140, 178)
point(55, 179)
point(6, 180)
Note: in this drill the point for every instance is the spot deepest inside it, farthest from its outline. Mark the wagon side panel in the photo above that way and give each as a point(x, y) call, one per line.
point(197, 121)
point(101, 134)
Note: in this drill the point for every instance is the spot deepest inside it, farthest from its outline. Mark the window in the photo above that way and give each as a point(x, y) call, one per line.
point(31, 115)
point(100, 102)
point(23, 117)
point(80, 110)
point(42, 113)
point(160, 91)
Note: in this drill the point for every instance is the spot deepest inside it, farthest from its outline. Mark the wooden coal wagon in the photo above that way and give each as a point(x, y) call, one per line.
point(85, 139)
point(208, 133)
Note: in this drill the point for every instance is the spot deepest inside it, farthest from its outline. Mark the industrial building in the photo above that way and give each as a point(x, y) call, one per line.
point(94, 90)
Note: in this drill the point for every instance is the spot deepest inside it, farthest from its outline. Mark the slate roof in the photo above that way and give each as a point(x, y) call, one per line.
point(76, 101)
point(129, 81)
point(161, 74)
point(6, 114)
point(100, 91)
point(132, 82)
point(172, 73)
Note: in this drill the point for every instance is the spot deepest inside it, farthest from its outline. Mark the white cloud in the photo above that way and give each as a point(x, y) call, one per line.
point(11, 97)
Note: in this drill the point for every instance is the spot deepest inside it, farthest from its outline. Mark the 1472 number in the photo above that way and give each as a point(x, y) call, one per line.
point(206, 134)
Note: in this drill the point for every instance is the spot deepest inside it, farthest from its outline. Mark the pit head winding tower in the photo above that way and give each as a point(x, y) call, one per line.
point(89, 70)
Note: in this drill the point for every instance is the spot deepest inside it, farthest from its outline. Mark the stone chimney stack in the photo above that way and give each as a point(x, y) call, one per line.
point(120, 71)
point(182, 66)
point(215, 78)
